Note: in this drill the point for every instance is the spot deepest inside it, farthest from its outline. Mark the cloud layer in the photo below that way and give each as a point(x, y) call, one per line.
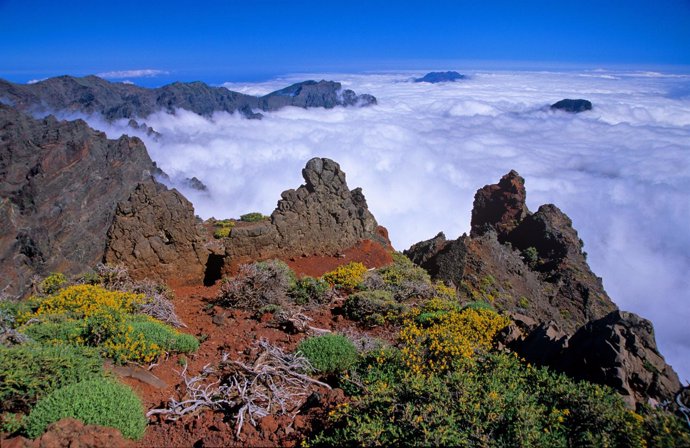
point(141, 73)
point(620, 171)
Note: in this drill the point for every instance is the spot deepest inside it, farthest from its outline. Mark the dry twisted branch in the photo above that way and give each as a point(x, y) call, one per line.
point(275, 383)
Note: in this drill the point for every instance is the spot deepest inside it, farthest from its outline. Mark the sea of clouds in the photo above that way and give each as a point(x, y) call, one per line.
point(620, 171)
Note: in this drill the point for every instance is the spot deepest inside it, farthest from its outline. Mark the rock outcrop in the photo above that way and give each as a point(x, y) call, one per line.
point(92, 94)
point(156, 235)
point(572, 106)
point(620, 350)
point(500, 207)
point(60, 182)
point(321, 217)
point(70, 432)
point(60, 186)
point(436, 77)
point(532, 266)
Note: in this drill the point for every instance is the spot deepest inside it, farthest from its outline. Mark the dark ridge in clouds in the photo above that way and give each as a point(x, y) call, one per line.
point(621, 171)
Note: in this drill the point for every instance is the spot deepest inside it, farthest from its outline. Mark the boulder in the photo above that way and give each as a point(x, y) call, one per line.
point(156, 235)
point(620, 351)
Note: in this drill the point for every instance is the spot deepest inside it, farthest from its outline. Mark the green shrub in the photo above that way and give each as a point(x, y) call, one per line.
point(99, 401)
point(163, 335)
point(30, 371)
point(478, 305)
point(373, 308)
point(253, 217)
point(329, 353)
point(56, 329)
point(530, 256)
point(309, 290)
point(53, 283)
point(222, 232)
point(490, 401)
point(402, 278)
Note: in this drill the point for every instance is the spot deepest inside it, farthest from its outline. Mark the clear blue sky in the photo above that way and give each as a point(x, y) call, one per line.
point(253, 38)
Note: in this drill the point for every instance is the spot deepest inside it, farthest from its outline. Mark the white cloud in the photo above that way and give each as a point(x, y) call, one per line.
point(142, 73)
point(620, 171)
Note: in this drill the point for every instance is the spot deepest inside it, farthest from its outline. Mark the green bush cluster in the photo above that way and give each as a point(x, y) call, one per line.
point(308, 290)
point(403, 279)
point(330, 353)
point(492, 401)
point(29, 371)
point(373, 308)
point(222, 228)
point(98, 401)
point(253, 217)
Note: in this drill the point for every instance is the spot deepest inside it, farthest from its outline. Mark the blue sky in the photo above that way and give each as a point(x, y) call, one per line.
point(254, 39)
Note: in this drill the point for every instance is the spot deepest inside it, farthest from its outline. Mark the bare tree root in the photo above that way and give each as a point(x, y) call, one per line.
point(276, 383)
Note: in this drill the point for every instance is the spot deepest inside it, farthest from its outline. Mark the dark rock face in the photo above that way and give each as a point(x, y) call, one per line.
point(500, 206)
point(531, 265)
point(322, 217)
point(156, 235)
point(326, 94)
point(91, 94)
point(619, 350)
point(60, 182)
point(573, 106)
point(436, 77)
point(195, 183)
point(420, 253)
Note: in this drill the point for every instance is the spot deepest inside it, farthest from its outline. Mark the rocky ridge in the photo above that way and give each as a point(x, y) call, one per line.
point(532, 266)
point(91, 94)
point(323, 216)
point(61, 183)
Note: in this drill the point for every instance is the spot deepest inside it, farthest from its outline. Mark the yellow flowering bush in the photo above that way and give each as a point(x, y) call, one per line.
point(432, 345)
point(347, 276)
point(84, 301)
point(90, 315)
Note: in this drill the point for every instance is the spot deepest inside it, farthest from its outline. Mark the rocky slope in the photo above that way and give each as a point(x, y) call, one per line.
point(91, 94)
point(321, 217)
point(532, 266)
point(60, 185)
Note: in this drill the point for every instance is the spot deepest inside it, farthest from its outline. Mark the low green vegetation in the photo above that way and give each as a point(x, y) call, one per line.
point(30, 371)
point(222, 228)
point(98, 401)
point(52, 365)
point(329, 353)
point(373, 308)
point(253, 217)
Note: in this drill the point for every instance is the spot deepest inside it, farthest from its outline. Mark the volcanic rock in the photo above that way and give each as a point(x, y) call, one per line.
point(92, 94)
point(573, 106)
point(423, 251)
point(321, 217)
point(195, 184)
point(500, 206)
point(326, 94)
point(436, 77)
point(60, 182)
point(156, 235)
point(620, 350)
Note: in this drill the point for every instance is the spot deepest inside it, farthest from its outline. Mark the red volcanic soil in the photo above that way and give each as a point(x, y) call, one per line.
point(369, 253)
